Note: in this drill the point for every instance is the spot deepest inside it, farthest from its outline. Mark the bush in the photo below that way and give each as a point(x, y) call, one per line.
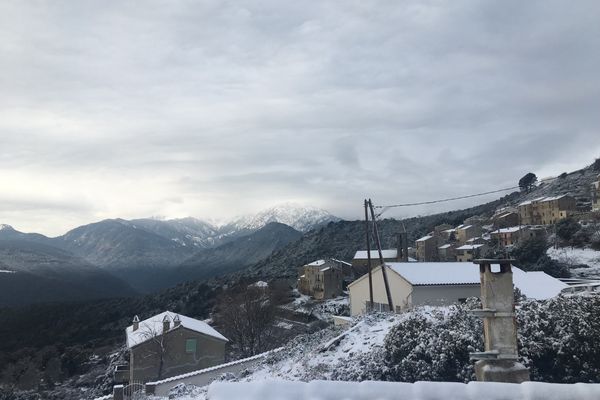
point(558, 339)
point(434, 348)
point(528, 253)
point(566, 228)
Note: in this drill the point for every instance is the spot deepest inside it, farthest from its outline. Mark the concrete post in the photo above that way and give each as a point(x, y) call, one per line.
point(118, 392)
point(498, 363)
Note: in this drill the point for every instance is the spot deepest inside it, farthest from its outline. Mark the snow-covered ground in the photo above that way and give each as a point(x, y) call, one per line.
point(331, 354)
point(573, 256)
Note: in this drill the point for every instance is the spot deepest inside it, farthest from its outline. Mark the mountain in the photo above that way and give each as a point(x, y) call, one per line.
point(301, 218)
point(190, 232)
point(41, 273)
point(237, 254)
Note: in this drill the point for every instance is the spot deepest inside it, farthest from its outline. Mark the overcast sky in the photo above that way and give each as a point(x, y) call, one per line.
point(220, 108)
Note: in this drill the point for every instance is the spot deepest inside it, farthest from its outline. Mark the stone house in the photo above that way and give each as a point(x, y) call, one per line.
point(170, 344)
point(427, 248)
point(447, 252)
point(466, 232)
point(438, 283)
point(321, 279)
point(505, 220)
point(469, 252)
point(512, 235)
point(547, 210)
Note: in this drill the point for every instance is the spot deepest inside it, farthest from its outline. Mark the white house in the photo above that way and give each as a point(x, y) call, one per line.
point(439, 283)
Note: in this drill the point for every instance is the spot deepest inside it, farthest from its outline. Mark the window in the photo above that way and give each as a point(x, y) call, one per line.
point(190, 345)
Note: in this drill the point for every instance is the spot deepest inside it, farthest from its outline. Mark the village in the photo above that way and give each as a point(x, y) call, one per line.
point(447, 266)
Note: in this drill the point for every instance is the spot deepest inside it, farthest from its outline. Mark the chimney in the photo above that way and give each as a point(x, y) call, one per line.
point(166, 323)
point(136, 323)
point(176, 321)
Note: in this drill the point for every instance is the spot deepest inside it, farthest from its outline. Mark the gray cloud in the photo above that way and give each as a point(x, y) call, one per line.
point(117, 109)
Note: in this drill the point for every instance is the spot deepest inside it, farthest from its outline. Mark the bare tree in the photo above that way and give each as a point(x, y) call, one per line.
point(158, 344)
point(246, 317)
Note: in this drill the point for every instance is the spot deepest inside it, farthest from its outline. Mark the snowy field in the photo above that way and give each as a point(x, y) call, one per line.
point(574, 256)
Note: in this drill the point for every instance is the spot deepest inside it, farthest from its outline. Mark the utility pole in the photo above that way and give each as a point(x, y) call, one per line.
point(383, 271)
point(368, 257)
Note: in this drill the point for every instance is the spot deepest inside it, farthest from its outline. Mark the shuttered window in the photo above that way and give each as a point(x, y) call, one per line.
point(190, 345)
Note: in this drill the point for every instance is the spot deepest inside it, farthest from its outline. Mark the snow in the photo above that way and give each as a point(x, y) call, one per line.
point(469, 247)
point(362, 254)
point(445, 246)
point(260, 284)
point(424, 238)
point(301, 218)
point(573, 256)
point(154, 325)
point(367, 390)
point(437, 273)
point(464, 227)
point(317, 263)
point(508, 230)
point(341, 262)
point(536, 285)
point(5, 227)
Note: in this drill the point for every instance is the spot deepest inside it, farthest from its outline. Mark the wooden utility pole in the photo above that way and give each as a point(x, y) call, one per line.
point(383, 271)
point(368, 256)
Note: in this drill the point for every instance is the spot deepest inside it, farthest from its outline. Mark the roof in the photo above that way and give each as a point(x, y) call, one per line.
point(325, 269)
point(445, 246)
point(469, 246)
point(362, 254)
point(508, 230)
point(462, 227)
point(543, 199)
point(154, 325)
point(424, 238)
point(317, 263)
point(437, 273)
point(536, 285)
point(341, 262)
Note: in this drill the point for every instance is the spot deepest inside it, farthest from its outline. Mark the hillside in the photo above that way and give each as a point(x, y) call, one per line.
point(238, 254)
point(341, 239)
point(42, 273)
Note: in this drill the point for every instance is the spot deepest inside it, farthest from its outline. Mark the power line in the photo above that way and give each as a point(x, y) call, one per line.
point(385, 208)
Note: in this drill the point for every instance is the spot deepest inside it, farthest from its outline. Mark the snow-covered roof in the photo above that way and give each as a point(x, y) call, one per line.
point(325, 269)
point(543, 199)
point(424, 238)
point(536, 285)
point(437, 273)
point(341, 262)
point(154, 325)
point(449, 230)
point(469, 246)
point(389, 253)
point(445, 246)
point(462, 227)
point(512, 229)
point(317, 263)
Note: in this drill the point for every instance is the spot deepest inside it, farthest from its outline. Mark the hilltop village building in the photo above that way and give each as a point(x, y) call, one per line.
point(510, 236)
point(169, 344)
point(399, 254)
point(469, 252)
point(505, 219)
point(438, 283)
point(546, 210)
point(466, 232)
point(321, 279)
point(427, 248)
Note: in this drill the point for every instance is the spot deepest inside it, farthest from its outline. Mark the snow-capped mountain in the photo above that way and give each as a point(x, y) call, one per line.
point(301, 218)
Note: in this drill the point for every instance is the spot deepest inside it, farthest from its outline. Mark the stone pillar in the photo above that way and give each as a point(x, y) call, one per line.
point(118, 392)
point(498, 363)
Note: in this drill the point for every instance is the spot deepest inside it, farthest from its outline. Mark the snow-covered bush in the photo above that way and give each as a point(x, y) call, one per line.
point(559, 339)
point(434, 347)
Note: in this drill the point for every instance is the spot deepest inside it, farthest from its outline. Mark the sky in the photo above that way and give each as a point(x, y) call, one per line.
point(219, 108)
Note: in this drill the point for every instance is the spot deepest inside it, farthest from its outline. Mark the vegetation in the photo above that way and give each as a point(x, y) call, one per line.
point(526, 182)
point(559, 341)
